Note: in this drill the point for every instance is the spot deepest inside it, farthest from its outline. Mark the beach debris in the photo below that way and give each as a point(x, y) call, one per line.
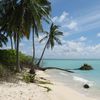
point(29, 78)
point(57, 68)
point(41, 80)
point(86, 86)
point(46, 87)
point(86, 67)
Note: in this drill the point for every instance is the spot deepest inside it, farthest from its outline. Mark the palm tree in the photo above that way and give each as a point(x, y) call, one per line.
point(52, 37)
point(10, 22)
point(3, 39)
point(10, 35)
point(41, 11)
point(11, 40)
point(19, 16)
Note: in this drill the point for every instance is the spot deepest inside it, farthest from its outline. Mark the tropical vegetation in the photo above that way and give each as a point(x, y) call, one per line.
point(52, 36)
point(20, 18)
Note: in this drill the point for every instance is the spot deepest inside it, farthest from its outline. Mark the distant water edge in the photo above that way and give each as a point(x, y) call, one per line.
point(79, 77)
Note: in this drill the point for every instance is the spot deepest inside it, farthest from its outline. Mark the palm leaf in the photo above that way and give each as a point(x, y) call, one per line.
point(43, 39)
point(59, 33)
point(57, 40)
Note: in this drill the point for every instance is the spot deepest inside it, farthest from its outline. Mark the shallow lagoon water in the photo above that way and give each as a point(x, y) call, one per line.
point(79, 78)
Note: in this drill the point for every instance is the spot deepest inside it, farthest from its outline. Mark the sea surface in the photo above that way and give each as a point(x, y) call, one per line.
point(79, 78)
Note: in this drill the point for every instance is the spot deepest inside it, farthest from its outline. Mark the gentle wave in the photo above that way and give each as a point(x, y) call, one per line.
point(80, 79)
point(61, 73)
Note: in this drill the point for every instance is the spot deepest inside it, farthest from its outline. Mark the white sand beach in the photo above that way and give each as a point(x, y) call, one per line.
point(24, 91)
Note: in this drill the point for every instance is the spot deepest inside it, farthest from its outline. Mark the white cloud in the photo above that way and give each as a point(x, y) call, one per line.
point(98, 34)
point(74, 49)
point(66, 33)
point(21, 44)
point(72, 46)
point(82, 38)
point(69, 49)
point(89, 20)
point(72, 25)
point(54, 18)
point(66, 22)
point(63, 16)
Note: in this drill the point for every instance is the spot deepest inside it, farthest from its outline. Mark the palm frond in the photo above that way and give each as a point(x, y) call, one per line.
point(43, 39)
point(52, 43)
point(3, 40)
point(58, 33)
point(58, 41)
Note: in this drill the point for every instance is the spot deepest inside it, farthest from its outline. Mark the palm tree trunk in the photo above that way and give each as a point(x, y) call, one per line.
point(33, 47)
point(15, 37)
point(17, 53)
point(15, 44)
point(42, 54)
point(11, 42)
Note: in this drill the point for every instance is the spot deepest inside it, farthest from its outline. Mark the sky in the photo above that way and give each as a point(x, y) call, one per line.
point(79, 20)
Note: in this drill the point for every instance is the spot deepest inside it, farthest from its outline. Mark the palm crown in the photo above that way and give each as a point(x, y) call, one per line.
point(23, 15)
point(52, 36)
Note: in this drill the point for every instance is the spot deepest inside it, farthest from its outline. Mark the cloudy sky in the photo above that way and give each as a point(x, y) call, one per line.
point(80, 23)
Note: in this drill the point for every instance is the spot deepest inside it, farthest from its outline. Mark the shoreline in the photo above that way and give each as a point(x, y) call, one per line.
point(24, 91)
point(77, 90)
point(76, 82)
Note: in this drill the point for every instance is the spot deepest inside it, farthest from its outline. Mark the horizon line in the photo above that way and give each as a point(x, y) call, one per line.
point(71, 59)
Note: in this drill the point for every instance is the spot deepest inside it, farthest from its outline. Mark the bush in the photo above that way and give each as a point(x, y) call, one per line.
point(25, 60)
point(1, 71)
point(27, 77)
point(5, 71)
point(8, 58)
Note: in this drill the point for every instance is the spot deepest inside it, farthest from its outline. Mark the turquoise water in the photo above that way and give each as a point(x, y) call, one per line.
point(93, 75)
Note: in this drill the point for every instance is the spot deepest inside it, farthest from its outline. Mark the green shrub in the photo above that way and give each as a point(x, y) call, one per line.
point(8, 58)
point(5, 71)
point(27, 77)
point(25, 60)
point(1, 71)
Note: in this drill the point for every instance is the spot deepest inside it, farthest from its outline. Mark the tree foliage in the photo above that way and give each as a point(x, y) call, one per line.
point(52, 37)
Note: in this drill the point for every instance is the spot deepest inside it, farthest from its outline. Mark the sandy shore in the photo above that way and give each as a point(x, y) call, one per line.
point(61, 92)
point(23, 91)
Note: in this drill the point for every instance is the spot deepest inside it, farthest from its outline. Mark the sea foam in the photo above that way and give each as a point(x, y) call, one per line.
point(61, 73)
point(82, 80)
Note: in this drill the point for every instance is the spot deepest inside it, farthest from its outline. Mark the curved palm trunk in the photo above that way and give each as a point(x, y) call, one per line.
point(33, 47)
point(17, 53)
point(42, 54)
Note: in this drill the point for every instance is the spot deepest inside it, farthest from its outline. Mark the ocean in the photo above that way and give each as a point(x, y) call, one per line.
point(79, 78)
